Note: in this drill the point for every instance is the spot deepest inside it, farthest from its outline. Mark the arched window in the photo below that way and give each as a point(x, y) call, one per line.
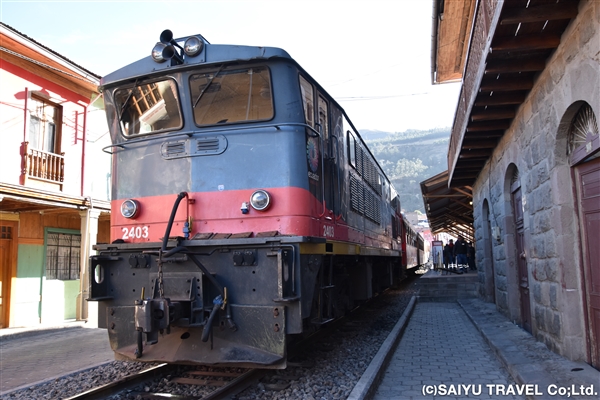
point(583, 139)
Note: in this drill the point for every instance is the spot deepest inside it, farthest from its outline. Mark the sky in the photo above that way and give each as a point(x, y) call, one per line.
point(372, 56)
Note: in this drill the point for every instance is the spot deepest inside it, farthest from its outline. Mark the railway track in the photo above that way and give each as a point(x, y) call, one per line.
point(214, 384)
point(327, 367)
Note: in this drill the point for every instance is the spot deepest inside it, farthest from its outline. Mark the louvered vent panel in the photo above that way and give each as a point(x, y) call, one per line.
point(370, 171)
point(372, 206)
point(359, 160)
point(173, 149)
point(211, 144)
point(355, 189)
point(369, 209)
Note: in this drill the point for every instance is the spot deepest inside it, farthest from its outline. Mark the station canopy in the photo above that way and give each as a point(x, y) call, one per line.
point(449, 209)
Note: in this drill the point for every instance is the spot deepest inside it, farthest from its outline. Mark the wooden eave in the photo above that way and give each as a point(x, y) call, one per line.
point(512, 41)
point(449, 209)
point(29, 55)
point(451, 31)
point(22, 199)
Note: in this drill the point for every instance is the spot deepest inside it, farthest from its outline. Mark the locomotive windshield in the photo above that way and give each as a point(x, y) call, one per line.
point(148, 107)
point(227, 96)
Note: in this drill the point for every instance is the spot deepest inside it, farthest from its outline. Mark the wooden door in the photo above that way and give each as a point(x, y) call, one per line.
point(489, 257)
point(588, 193)
point(5, 273)
point(517, 202)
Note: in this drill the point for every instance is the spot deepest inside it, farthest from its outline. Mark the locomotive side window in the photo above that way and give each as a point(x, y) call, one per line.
point(323, 120)
point(351, 149)
point(227, 96)
point(148, 108)
point(308, 101)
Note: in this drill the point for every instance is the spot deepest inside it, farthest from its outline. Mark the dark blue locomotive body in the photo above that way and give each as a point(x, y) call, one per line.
point(246, 208)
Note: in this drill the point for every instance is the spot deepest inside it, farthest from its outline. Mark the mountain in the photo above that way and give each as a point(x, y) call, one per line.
point(408, 158)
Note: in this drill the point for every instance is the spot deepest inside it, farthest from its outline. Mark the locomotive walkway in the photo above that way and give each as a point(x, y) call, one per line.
point(455, 342)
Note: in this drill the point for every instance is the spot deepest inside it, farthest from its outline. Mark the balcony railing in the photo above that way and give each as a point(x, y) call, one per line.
point(44, 166)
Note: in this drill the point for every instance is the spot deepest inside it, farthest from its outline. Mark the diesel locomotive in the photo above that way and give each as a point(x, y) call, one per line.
point(246, 208)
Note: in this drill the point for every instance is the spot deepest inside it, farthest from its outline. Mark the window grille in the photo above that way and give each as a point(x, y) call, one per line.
point(62, 256)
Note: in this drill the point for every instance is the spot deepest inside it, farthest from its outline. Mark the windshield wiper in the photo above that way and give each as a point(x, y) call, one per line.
point(126, 103)
point(207, 85)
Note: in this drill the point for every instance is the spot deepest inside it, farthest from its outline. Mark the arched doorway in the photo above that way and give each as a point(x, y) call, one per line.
point(584, 158)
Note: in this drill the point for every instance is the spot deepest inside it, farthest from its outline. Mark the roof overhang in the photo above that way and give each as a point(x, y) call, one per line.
point(510, 43)
point(20, 199)
point(452, 22)
point(28, 54)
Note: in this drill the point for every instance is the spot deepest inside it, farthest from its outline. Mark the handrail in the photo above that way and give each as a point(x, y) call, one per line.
point(322, 155)
point(210, 130)
point(337, 172)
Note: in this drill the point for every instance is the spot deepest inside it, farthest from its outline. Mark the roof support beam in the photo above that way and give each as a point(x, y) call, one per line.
point(485, 153)
point(526, 43)
point(492, 114)
point(515, 65)
point(502, 124)
point(500, 99)
point(506, 85)
point(540, 13)
point(480, 144)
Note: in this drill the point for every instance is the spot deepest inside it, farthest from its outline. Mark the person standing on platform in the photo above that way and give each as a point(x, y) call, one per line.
point(460, 251)
point(449, 254)
point(471, 256)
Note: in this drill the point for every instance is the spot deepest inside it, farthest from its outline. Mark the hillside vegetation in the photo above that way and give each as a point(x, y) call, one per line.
point(408, 158)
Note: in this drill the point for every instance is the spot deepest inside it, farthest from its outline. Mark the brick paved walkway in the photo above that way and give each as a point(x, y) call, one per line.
point(441, 346)
point(43, 356)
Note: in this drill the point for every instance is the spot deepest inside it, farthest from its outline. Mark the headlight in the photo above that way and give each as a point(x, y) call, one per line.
point(129, 208)
point(157, 52)
point(193, 46)
point(260, 200)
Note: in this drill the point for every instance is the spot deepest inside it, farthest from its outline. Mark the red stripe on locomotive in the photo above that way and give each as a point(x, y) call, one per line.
point(220, 212)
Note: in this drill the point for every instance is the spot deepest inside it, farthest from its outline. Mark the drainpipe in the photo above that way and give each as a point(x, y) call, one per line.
point(25, 116)
point(83, 146)
point(85, 108)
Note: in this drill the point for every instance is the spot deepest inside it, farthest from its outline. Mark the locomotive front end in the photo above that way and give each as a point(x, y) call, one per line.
point(198, 270)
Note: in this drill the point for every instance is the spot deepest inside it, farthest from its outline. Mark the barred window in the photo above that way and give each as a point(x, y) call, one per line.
point(62, 256)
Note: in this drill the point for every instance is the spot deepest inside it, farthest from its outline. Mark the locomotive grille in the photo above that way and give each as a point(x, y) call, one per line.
point(372, 206)
point(363, 201)
point(173, 149)
point(366, 169)
point(207, 145)
point(356, 194)
point(194, 147)
point(359, 160)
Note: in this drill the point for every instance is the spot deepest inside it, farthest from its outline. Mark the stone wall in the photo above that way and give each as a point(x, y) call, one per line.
point(536, 146)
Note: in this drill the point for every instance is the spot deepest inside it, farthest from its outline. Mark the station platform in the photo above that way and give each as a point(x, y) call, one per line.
point(37, 354)
point(466, 349)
